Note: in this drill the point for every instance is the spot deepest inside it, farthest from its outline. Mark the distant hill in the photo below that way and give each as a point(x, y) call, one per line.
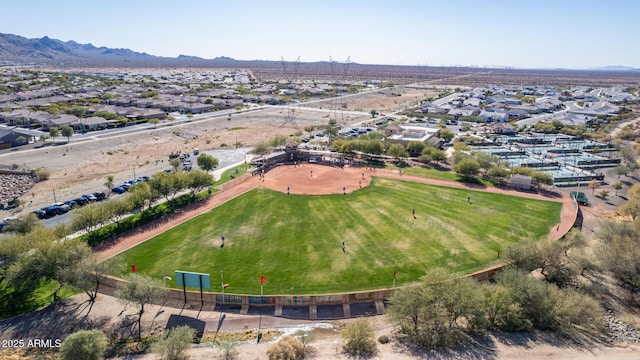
point(616, 68)
point(47, 51)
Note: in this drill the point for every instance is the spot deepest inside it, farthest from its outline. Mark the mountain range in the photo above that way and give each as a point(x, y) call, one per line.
point(15, 49)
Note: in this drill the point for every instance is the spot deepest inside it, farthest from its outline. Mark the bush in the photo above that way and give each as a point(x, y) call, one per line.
point(42, 174)
point(287, 348)
point(359, 338)
point(383, 339)
point(174, 345)
point(228, 351)
point(85, 344)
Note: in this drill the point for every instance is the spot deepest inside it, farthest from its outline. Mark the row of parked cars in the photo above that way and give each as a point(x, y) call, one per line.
point(60, 208)
point(124, 187)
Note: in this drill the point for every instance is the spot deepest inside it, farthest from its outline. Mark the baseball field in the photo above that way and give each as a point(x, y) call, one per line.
point(313, 244)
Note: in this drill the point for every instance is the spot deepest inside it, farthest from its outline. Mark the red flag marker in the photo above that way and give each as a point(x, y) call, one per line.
point(262, 279)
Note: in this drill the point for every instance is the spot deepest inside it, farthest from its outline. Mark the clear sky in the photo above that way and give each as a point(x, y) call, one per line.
point(518, 33)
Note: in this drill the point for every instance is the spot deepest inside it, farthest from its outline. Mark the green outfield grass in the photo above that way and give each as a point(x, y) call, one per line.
point(296, 240)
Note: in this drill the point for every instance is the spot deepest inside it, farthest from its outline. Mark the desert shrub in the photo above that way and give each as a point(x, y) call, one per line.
point(42, 174)
point(383, 339)
point(359, 338)
point(228, 351)
point(287, 348)
point(85, 344)
point(174, 345)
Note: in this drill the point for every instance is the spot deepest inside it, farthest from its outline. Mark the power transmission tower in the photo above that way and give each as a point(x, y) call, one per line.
point(291, 81)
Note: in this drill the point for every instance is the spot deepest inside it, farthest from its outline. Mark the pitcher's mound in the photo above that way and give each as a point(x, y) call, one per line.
point(312, 179)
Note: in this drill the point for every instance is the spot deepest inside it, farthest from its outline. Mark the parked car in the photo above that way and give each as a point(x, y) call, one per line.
point(100, 195)
point(3, 224)
point(144, 178)
point(51, 210)
point(118, 190)
point(80, 201)
point(41, 214)
point(89, 197)
point(72, 203)
point(132, 181)
point(126, 186)
point(580, 198)
point(63, 209)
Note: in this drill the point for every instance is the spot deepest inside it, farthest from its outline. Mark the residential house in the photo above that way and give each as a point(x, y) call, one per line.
point(11, 138)
point(517, 114)
point(502, 129)
point(494, 116)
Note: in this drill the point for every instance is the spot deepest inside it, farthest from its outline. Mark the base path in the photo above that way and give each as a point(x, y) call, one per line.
point(313, 179)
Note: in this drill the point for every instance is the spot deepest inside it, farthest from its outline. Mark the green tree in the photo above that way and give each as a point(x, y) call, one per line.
point(531, 295)
point(415, 148)
point(21, 140)
point(622, 170)
point(86, 273)
point(468, 168)
point(197, 180)
point(109, 183)
point(175, 163)
point(140, 290)
point(438, 156)
point(78, 111)
point(620, 252)
point(550, 257)
point(66, 131)
point(502, 312)
point(117, 209)
point(631, 208)
point(84, 344)
point(89, 218)
point(53, 132)
point(542, 178)
point(497, 172)
point(175, 343)
point(432, 311)
point(485, 160)
point(207, 162)
point(154, 122)
point(140, 195)
point(167, 185)
point(617, 187)
point(446, 134)
point(373, 113)
point(359, 338)
point(397, 151)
